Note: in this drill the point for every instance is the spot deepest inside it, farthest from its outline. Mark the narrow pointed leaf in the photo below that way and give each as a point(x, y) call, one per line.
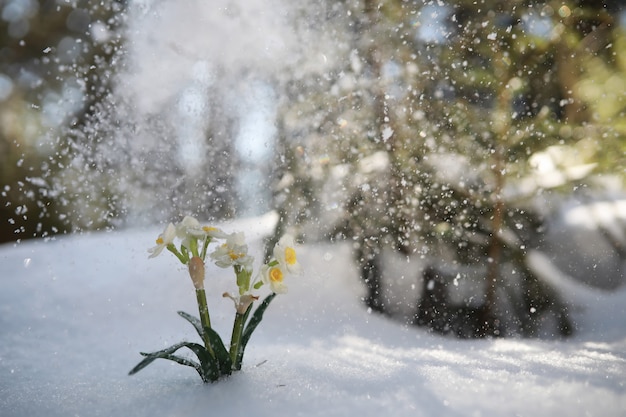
point(211, 365)
point(177, 359)
point(197, 324)
point(183, 361)
point(150, 357)
point(208, 363)
point(186, 362)
point(221, 354)
point(165, 354)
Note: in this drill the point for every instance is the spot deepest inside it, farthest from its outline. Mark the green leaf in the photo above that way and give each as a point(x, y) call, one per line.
point(183, 361)
point(165, 354)
point(221, 354)
point(194, 321)
point(209, 364)
point(213, 364)
point(186, 362)
point(252, 324)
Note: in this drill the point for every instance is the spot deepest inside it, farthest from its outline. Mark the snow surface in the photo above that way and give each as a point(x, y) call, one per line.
point(76, 311)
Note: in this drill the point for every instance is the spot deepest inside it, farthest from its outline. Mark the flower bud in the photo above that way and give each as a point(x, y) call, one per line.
point(242, 302)
point(196, 272)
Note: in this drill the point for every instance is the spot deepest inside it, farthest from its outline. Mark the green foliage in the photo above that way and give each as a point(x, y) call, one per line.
point(167, 353)
point(214, 361)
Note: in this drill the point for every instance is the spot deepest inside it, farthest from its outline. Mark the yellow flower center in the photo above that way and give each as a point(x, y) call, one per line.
point(209, 228)
point(290, 256)
point(234, 256)
point(276, 275)
point(159, 240)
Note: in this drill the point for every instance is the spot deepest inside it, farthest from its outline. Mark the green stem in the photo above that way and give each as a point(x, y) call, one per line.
point(205, 246)
point(185, 254)
point(179, 255)
point(193, 247)
point(235, 340)
point(203, 309)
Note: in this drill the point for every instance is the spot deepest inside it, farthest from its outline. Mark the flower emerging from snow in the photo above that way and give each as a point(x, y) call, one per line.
point(166, 238)
point(285, 254)
point(233, 252)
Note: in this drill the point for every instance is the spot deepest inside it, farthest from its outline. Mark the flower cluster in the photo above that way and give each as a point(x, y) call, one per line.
point(230, 251)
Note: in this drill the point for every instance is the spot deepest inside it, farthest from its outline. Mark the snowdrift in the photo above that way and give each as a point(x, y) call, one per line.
point(76, 310)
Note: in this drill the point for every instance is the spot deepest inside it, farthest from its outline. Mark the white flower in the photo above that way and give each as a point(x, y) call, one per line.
point(233, 252)
point(274, 276)
point(285, 254)
point(214, 232)
point(189, 228)
point(164, 239)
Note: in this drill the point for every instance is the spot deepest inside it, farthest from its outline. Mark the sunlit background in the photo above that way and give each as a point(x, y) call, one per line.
point(462, 133)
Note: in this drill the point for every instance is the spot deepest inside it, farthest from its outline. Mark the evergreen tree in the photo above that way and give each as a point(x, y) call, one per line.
point(437, 132)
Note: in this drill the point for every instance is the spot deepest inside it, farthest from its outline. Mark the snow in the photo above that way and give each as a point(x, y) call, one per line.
point(75, 312)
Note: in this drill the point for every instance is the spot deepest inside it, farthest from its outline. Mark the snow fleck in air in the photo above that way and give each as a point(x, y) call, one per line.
point(387, 133)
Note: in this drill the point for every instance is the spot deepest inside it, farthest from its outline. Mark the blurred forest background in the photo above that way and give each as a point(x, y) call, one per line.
point(455, 137)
